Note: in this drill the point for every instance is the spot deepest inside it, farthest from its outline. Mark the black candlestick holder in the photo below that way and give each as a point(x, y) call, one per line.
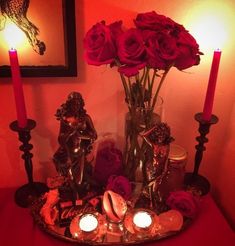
point(26, 194)
point(194, 180)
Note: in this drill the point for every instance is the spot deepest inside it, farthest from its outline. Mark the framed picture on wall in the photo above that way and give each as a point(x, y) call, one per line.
point(44, 35)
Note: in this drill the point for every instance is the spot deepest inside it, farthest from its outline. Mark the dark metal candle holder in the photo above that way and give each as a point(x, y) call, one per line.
point(195, 180)
point(25, 195)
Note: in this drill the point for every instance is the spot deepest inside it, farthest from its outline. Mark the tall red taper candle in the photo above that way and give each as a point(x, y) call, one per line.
point(18, 89)
point(208, 105)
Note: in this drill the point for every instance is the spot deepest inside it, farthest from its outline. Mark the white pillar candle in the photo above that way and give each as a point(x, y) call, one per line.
point(88, 223)
point(142, 219)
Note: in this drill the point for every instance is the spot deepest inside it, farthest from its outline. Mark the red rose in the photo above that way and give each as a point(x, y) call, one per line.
point(161, 49)
point(99, 43)
point(131, 50)
point(119, 185)
point(116, 29)
point(185, 202)
point(130, 70)
point(188, 51)
point(108, 162)
point(153, 21)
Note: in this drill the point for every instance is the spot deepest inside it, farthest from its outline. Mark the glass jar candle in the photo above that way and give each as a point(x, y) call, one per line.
point(174, 177)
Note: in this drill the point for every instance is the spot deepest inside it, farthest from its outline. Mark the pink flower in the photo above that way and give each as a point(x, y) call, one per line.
point(119, 185)
point(100, 44)
point(185, 202)
point(131, 51)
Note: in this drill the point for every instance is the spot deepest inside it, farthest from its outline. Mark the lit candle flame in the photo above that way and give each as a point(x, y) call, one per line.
point(88, 223)
point(142, 219)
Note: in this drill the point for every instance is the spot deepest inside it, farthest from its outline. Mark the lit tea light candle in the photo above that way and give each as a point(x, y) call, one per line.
point(142, 219)
point(88, 223)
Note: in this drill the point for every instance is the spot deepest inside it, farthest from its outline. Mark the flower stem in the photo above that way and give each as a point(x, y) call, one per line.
point(159, 87)
point(142, 77)
point(152, 80)
point(125, 86)
point(150, 86)
point(145, 78)
point(127, 92)
point(143, 89)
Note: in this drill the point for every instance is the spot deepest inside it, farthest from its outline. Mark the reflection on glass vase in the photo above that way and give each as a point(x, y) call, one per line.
point(137, 121)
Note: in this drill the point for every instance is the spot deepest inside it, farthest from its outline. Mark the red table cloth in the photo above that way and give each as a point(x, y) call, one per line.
point(17, 227)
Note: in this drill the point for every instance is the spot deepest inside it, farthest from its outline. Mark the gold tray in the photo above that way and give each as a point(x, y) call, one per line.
point(102, 237)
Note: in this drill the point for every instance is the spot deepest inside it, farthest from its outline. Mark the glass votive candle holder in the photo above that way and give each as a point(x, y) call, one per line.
point(142, 221)
point(88, 223)
point(88, 226)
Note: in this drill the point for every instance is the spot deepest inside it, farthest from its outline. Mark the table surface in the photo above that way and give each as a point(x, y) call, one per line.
point(17, 227)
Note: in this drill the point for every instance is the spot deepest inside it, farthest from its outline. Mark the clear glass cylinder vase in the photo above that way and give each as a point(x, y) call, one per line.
point(137, 121)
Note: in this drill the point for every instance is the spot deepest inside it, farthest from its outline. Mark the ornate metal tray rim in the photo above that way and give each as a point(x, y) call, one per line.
point(35, 212)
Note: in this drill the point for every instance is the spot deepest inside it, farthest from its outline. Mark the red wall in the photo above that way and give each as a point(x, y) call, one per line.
point(101, 87)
